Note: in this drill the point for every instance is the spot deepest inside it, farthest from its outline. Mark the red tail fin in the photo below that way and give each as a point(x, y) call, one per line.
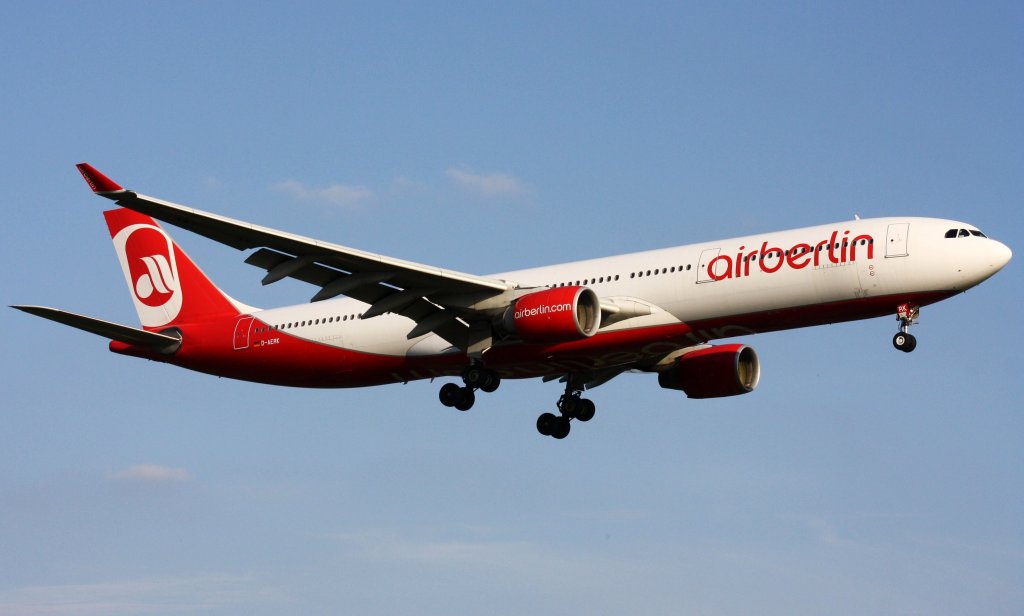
point(167, 287)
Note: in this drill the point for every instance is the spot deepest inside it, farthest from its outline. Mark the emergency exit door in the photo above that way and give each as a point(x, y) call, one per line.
point(242, 333)
point(896, 240)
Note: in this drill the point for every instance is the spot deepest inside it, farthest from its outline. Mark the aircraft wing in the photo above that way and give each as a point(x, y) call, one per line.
point(432, 297)
point(161, 343)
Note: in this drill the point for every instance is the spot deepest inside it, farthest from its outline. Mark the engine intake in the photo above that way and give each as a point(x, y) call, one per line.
point(561, 314)
point(714, 372)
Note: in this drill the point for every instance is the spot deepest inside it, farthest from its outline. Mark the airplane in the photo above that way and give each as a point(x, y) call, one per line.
point(375, 319)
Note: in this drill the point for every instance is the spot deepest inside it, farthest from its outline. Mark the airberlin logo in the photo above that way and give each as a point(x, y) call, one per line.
point(149, 260)
point(831, 251)
point(150, 269)
point(543, 309)
point(154, 287)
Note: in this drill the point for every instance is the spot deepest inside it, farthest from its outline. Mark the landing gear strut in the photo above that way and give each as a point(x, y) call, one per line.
point(570, 406)
point(475, 377)
point(906, 314)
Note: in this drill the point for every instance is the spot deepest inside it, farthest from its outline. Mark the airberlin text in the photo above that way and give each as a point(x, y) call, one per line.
point(771, 259)
point(544, 309)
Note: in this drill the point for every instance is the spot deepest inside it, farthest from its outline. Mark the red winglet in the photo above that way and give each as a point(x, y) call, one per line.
point(98, 182)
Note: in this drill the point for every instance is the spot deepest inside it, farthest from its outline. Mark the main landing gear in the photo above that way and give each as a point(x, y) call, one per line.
point(570, 406)
point(475, 377)
point(906, 314)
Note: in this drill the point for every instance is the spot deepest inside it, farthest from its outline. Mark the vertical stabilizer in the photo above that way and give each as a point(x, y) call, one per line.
point(166, 286)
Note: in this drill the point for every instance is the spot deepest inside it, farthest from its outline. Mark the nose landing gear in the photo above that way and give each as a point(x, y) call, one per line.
point(907, 315)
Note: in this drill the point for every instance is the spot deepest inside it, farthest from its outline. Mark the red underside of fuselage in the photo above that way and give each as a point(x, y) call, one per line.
point(281, 359)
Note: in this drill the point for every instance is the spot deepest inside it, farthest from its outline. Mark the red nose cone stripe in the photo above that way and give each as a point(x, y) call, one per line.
point(98, 182)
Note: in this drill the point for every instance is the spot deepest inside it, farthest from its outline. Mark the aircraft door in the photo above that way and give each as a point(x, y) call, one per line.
point(896, 240)
point(242, 328)
point(703, 265)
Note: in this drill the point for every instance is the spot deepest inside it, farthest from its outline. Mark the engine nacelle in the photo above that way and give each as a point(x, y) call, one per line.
point(714, 372)
point(561, 314)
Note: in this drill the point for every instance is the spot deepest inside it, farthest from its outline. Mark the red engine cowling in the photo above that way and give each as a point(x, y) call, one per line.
point(714, 372)
point(561, 314)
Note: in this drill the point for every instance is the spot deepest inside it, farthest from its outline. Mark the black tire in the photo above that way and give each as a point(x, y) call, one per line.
point(474, 376)
point(561, 428)
point(546, 423)
point(586, 410)
point(569, 405)
point(450, 394)
point(490, 382)
point(904, 342)
point(466, 399)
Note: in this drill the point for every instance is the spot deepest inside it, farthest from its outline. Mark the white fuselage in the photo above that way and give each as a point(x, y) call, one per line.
point(715, 282)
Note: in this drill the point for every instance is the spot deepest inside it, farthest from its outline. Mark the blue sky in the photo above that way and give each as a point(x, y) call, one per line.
point(482, 138)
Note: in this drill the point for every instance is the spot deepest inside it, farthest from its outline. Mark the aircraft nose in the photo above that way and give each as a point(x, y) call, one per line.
point(1001, 255)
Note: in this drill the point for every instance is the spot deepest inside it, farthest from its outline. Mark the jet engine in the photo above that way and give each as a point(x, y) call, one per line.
point(561, 314)
point(714, 372)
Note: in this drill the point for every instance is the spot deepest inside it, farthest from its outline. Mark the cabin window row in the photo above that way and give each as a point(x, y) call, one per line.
point(585, 281)
point(802, 251)
point(656, 271)
point(306, 323)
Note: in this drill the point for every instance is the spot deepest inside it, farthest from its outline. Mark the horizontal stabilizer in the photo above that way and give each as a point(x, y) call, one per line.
point(161, 343)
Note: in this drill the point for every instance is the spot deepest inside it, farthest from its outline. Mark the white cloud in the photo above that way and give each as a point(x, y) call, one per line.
point(494, 184)
point(335, 194)
point(151, 472)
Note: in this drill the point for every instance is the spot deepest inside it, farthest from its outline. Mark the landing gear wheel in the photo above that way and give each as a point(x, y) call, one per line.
point(560, 429)
point(450, 394)
point(585, 410)
point(466, 399)
point(569, 405)
point(546, 424)
point(490, 382)
point(474, 376)
point(904, 342)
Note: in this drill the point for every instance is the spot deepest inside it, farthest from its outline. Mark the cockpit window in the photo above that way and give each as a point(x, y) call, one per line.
point(964, 233)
